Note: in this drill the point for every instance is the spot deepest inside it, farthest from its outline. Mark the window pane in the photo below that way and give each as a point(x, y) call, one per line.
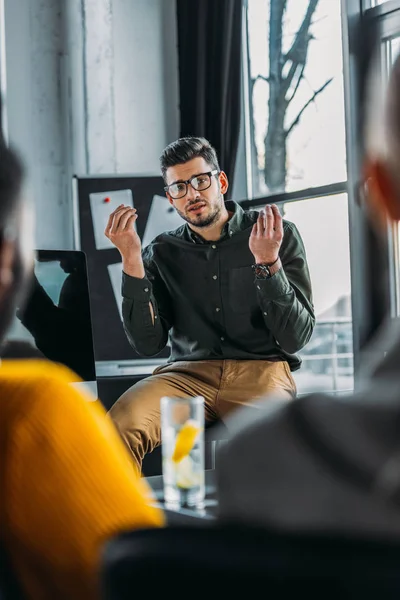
point(296, 126)
point(328, 357)
point(392, 47)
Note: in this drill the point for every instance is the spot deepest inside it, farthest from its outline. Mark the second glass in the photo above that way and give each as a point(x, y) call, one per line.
point(182, 433)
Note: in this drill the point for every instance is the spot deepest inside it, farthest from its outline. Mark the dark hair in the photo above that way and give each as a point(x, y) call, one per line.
point(11, 178)
point(186, 149)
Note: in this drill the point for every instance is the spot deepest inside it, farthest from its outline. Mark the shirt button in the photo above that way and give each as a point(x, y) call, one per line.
point(217, 309)
point(146, 289)
point(155, 316)
point(215, 277)
point(222, 339)
point(265, 314)
point(258, 287)
point(213, 246)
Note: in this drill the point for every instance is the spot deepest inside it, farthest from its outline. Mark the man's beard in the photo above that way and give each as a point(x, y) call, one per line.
point(201, 221)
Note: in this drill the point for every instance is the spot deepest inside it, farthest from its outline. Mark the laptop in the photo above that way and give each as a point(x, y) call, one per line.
point(55, 322)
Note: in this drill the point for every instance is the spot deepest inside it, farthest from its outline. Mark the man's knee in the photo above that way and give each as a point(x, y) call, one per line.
point(136, 415)
point(134, 405)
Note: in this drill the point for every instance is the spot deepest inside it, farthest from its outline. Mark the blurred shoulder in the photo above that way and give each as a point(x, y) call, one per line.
point(30, 372)
point(344, 423)
point(24, 383)
point(263, 423)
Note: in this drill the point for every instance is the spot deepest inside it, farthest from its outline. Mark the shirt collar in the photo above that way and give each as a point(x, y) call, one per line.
point(236, 223)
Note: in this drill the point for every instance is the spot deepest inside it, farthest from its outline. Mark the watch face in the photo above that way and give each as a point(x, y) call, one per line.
point(261, 271)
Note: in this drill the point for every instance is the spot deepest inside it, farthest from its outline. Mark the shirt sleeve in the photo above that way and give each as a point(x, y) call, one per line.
point(286, 298)
point(148, 338)
point(70, 486)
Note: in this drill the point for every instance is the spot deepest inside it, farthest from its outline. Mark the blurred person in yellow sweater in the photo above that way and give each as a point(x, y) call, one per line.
point(66, 481)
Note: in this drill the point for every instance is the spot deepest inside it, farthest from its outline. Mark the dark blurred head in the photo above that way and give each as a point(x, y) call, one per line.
point(382, 163)
point(16, 237)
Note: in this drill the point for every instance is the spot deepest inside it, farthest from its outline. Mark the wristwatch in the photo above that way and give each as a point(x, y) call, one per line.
point(262, 270)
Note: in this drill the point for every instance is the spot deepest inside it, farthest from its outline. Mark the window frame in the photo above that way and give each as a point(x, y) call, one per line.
point(331, 189)
point(381, 9)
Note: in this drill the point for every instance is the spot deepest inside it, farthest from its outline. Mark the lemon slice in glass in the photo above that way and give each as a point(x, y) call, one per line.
point(185, 440)
point(186, 477)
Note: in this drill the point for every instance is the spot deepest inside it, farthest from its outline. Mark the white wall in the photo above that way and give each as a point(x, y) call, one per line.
point(99, 65)
point(140, 86)
point(100, 74)
point(35, 110)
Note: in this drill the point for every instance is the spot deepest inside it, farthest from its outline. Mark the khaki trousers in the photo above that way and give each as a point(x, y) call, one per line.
point(224, 384)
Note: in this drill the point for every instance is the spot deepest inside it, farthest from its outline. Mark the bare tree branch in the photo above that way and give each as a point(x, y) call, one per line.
point(307, 104)
point(259, 78)
point(253, 146)
point(315, 21)
point(274, 143)
point(277, 11)
point(303, 30)
point(297, 54)
point(301, 76)
point(286, 71)
point(308, 83)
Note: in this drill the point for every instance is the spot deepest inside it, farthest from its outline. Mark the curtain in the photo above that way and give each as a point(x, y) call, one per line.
point(209, 52)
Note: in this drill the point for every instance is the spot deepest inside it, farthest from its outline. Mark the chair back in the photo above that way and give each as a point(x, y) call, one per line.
point(193, 559)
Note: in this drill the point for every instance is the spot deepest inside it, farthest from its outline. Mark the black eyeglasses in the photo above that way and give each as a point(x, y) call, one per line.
point(198, 182)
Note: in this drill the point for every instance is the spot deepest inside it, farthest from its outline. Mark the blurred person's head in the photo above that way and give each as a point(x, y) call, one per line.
point(16, 236)
point(382, 163)
point(201, 202)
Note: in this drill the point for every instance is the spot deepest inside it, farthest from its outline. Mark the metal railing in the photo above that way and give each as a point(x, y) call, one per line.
point(328, 358)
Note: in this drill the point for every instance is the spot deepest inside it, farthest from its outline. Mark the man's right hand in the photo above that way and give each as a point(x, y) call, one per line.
point(121, 232)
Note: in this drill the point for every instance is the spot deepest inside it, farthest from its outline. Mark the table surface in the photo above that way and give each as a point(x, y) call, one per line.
point(182, 515)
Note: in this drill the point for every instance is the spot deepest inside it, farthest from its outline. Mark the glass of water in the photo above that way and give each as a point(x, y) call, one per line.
point(182, 435)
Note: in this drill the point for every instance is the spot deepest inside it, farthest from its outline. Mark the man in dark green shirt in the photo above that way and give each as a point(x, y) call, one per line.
point(230, 289)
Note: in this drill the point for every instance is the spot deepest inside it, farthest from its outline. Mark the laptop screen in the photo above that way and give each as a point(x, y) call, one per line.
point(55, 322)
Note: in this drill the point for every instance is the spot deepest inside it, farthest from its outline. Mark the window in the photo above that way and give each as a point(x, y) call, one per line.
point(394, 45)
point(387, 5)
point(328, 357)
point(295, 133)
point(295, 93)
point(391, 51)
point(379, 8)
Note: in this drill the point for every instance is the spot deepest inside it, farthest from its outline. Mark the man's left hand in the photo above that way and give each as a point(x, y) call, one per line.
point(266, 235)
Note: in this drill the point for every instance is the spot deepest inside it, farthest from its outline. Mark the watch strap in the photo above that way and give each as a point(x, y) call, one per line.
point(261, 271)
